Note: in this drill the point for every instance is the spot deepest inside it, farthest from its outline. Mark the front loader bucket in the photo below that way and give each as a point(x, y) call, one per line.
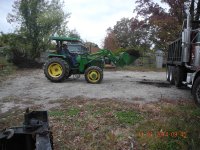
point(126, 59)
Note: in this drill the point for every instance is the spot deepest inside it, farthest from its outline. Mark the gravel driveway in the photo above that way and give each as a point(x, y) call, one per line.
point(32, 87)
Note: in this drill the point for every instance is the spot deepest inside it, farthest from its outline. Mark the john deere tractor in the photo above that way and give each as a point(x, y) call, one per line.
point(73, 58)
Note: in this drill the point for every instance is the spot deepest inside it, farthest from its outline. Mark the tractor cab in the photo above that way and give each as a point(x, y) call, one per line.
point(72, 45)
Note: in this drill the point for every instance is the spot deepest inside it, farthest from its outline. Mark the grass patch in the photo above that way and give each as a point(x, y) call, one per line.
point(59, 113)
point(175, 128)
point(128, 117)
point(73, 112)
point(56, 113)
point(107, 124)
point(11, 118)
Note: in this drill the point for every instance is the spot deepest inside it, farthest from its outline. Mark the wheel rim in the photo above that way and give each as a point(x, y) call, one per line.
point(55, 70)
point(93, 76)
point(198, 94)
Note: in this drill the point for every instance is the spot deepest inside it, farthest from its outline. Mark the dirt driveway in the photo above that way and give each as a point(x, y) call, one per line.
point(31, 87)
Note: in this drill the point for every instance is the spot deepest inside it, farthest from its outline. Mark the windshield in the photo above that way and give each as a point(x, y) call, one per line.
point(77, 49)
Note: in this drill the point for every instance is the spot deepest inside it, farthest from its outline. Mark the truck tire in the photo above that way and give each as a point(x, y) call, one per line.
point(93, 74)
point(196, 91)
point(179, 75)
point(56, 69)
point(167, 72)
point(171, 75)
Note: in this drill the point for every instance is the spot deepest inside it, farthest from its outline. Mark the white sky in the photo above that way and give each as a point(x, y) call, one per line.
point(90, 18)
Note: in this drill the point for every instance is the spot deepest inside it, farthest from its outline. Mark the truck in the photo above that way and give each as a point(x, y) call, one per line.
point(183, 58)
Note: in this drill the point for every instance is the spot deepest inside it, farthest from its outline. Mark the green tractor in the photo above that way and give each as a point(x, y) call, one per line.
point(71, 57)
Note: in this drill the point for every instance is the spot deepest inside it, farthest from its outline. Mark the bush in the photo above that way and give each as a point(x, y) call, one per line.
point(7, 69)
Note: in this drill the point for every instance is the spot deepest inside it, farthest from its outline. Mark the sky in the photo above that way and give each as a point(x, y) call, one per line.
point(90, 18)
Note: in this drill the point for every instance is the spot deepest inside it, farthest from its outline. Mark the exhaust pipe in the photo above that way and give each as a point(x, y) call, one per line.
point(186, 40)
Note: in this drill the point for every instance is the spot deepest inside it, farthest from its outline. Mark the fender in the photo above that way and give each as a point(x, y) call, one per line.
point(195, 76)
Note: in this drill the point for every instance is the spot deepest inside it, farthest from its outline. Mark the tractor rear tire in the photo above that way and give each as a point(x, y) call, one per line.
point(56, 69)
point(93, 74)
point(69, 75)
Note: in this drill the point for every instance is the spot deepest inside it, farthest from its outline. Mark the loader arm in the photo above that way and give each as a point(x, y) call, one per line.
point(104, 53)
point(123, 59)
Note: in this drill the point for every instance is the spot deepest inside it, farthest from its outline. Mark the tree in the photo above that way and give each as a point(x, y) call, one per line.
point(165, 25)
point(74, 34)
point(37, 20)
point(128, 33)
point(122, 31)
point(110, 41)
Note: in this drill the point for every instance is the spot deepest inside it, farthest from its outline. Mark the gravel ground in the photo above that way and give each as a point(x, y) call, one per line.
point(30, 87)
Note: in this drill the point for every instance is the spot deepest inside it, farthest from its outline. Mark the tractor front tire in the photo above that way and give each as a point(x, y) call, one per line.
point(93, 75)
point(56, 69)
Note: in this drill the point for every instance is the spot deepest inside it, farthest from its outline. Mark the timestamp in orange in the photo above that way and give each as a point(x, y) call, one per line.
point(159, 134)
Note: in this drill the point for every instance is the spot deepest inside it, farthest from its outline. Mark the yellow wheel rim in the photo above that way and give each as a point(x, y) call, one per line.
point(55, 70)
point(93, 76)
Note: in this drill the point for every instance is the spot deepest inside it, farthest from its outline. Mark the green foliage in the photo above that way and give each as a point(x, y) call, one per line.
point(37, 19)
point(74, 34)
point(128, 33)
point(3, 61)
point(7, 69)
point(118, 51)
